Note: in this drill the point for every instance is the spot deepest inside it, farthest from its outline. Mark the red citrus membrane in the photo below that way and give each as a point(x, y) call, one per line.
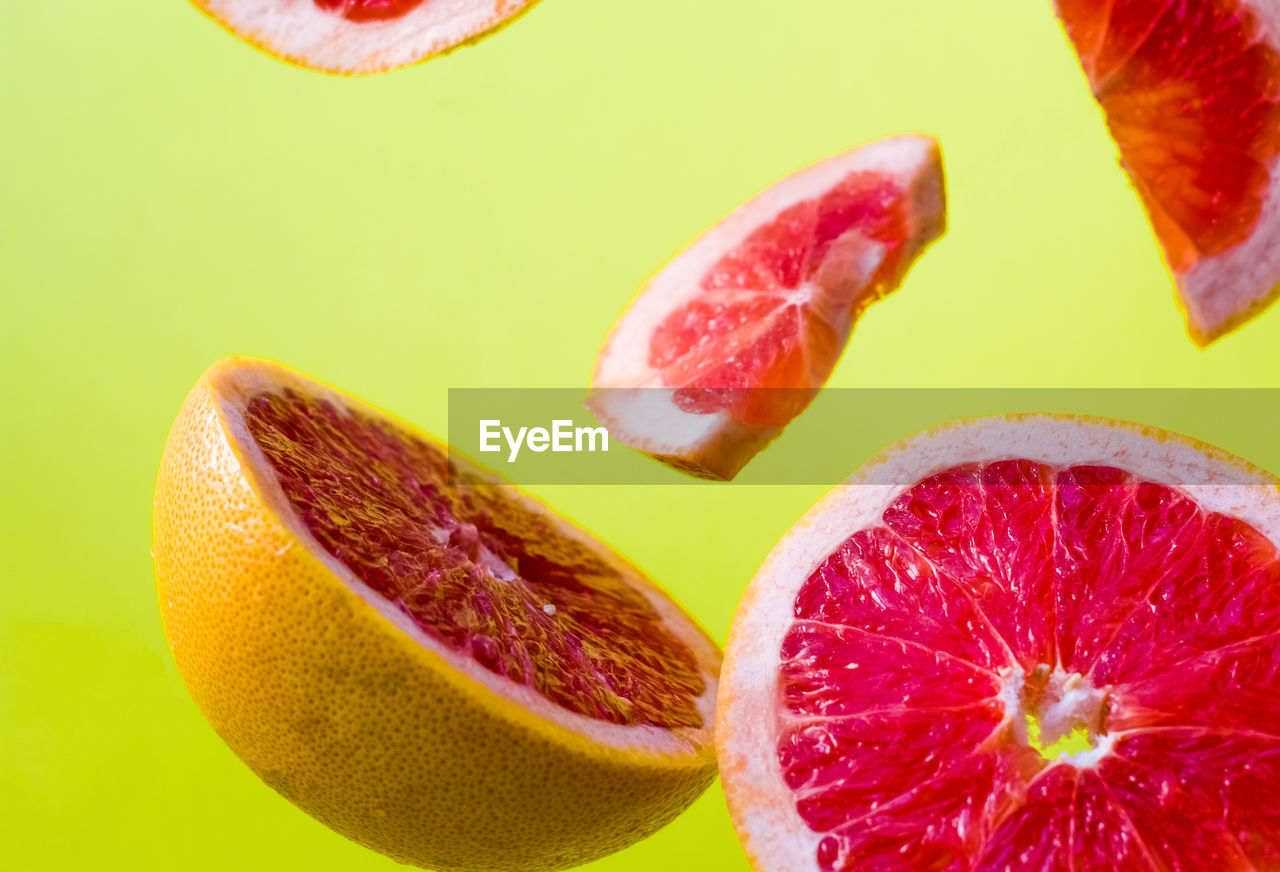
point(998, 601)
point(771, 312)
point(1189, 90)
point(369, 10)
point(473, 570)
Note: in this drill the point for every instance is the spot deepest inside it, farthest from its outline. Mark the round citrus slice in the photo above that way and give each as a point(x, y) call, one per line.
point(1191, 94)
point(420, 656)
point(360, 37)
point(733, 338)
point(1015, 644)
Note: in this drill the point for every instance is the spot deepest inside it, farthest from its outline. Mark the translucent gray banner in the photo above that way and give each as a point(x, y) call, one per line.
point(545, 436)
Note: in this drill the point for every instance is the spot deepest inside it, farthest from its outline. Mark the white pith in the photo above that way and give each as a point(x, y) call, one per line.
point(761, 804)
point(301, 32)
point(635, 405)
point(1073, 703)
point(1220, 289)
point(678, 742)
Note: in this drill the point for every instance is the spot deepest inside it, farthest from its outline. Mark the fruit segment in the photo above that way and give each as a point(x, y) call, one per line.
point(1015, 663)
point(1191, 94)
point(739, 333)
point(360, 37)
point(989, 530)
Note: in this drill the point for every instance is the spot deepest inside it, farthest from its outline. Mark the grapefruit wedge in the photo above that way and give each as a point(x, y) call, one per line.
point(733, 338)
point(1009, 644)
point(360, 37)
point(420, 656)
point(1191, 94)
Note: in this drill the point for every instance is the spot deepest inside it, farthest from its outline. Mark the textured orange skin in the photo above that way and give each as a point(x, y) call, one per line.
point(354, 721)
point(302, 63)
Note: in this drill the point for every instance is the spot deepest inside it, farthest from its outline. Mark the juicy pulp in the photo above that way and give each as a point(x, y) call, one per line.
point(773, 312)
point(1189, 92)
point(737, 334)
point(992, 596)
point(369, 10)
point(473, 569)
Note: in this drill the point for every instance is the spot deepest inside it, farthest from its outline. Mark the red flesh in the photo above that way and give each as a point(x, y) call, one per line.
point(769, 313)
point(1190, 94)
point(892, 736)
point(474, 570)
point(369, 10)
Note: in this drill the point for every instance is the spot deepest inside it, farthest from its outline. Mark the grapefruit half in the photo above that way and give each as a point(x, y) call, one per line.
point(360, 37)
point(733, 338)
point(420, 656)
point(1191, 94)
point(1026, 643)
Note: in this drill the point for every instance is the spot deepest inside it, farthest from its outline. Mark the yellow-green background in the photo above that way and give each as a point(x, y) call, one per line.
point(169, 196)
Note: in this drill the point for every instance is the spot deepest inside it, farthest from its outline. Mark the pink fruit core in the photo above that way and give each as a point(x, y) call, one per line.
point(476, 571)
point(1191, 90)
point(772, 312)
point(997, 602)
point(369, 10)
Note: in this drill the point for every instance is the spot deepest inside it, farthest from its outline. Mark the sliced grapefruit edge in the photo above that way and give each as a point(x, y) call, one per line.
point(717, 446)
point(761, 804)
point(239, 378)
point(1253, 263)
point(370, 63)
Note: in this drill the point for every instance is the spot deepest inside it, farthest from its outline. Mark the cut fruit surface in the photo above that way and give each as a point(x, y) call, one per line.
point(1191, 94)
point(360, 37)
point(736, 336)
point(412, 651)
point(1014, 644)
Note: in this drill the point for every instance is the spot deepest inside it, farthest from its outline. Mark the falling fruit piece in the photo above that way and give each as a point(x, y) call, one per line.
point(361, 37)
point(1191, 94)
point(420, 656)
point(1024, 643)
point(734, 338)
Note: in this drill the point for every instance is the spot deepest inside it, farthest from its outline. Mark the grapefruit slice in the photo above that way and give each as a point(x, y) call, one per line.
point(733, 338)
point(415, 653)
point(1012, 644)
point(1191, 94)
point(360, 37)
